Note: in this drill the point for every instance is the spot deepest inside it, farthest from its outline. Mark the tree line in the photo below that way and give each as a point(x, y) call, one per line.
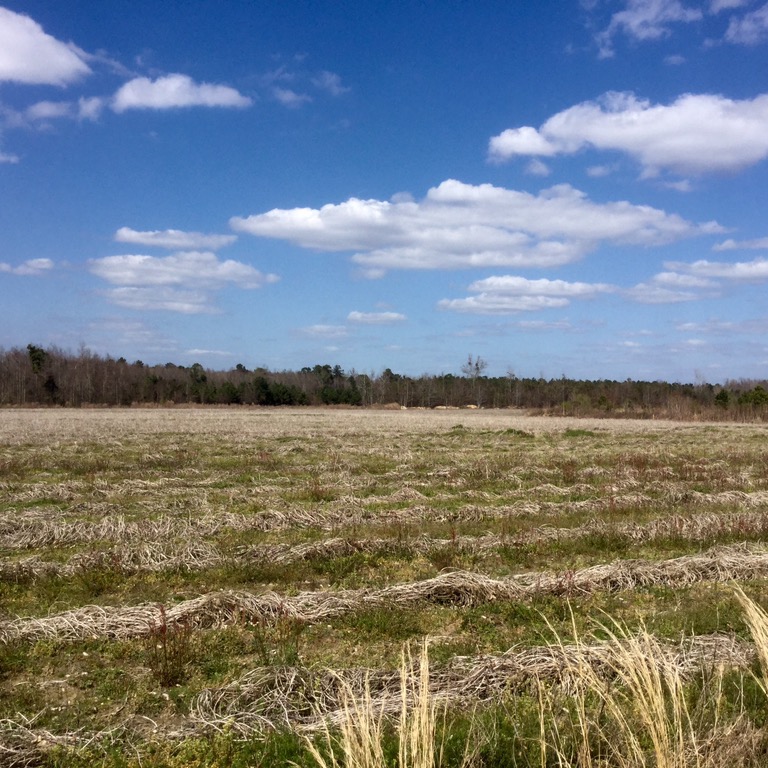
point(38, 376)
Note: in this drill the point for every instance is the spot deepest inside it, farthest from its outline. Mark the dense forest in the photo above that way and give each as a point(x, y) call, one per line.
point(38, 376)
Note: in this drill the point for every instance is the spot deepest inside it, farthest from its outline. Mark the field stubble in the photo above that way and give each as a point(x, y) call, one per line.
point(174, 581)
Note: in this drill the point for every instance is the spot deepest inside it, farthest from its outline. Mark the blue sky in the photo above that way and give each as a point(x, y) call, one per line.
point(563, 188)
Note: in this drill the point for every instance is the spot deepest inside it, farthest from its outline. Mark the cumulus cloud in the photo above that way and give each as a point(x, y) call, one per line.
point(174, 91)
point(214, 352)
point(536, 168)
point(748, 245)
point(521, 141)
point(649, 20)
point(183, 268)
point(600, 171)
point(544, 325)
point(715, 326)
point(461, 225)
point(506, 294)
point(89, 108)
point(182, 282)
point(31, 56)
point(163, 298)
point(645, 20)
point(46, 110)
point(747, 271)
point(654, 293)
point(675, 279)
point(290, 98)
point(109, 333)
point(41, 113)
point(375, 318)
point(715, 6)
point(174, 239)
point(696, 134)
point(29, 267)
point(671, 288)
point(750, 29)
point(331, 83)
point(325, 331)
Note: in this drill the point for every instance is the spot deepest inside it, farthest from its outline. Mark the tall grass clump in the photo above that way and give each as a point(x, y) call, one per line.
point(645, 707)
point(641, 704)
point(632, 712)
point(364, 728)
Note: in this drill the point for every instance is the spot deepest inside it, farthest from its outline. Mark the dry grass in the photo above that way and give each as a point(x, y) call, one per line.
point(309, 699)
point(368, 528)
point(462, 588)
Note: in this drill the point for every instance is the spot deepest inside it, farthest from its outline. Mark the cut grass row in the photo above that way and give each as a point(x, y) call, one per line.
point(461, 588)
point(192, 554)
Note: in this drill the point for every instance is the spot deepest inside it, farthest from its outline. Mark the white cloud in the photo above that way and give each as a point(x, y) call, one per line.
point(520, 141)
point(750, 29)
point(645, 20)
point(173, 91)
point(90, 108)
point(747, 245)
point(544, 325)
point(672, 288)
point(674, 279)
point(325, 331)
point(655, 293)
point(505, 294)
point(111, 333)
point(696, 134)
point(536, 168)
point(183, 268)
point(715, 326)
point(143, 298)
point(490, 304)
point(215, 352)
point(512, 285)
point(375, 318)
point(715, 6)
point(29, 267)
point(8, 158)
point(29, 55)
point(182, 282)
point(46, 110)
point(330, 82)
point(600, 171)
point(682, 185)
point(280, 75)
point(371, 273)
point(460, 225)
point(41, 112)
point(174, 239)
point(289, 98)
point(749, 271)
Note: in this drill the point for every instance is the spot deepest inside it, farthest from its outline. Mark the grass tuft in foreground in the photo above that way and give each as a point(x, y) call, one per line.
point(637, 709)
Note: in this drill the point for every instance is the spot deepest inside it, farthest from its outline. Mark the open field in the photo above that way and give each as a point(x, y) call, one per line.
point(215, 586)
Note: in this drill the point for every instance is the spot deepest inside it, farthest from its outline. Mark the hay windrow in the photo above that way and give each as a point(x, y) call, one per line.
point(42, 529)
point(217, 609)
point(159, 555)
point(306, 698)
point(301, 698)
